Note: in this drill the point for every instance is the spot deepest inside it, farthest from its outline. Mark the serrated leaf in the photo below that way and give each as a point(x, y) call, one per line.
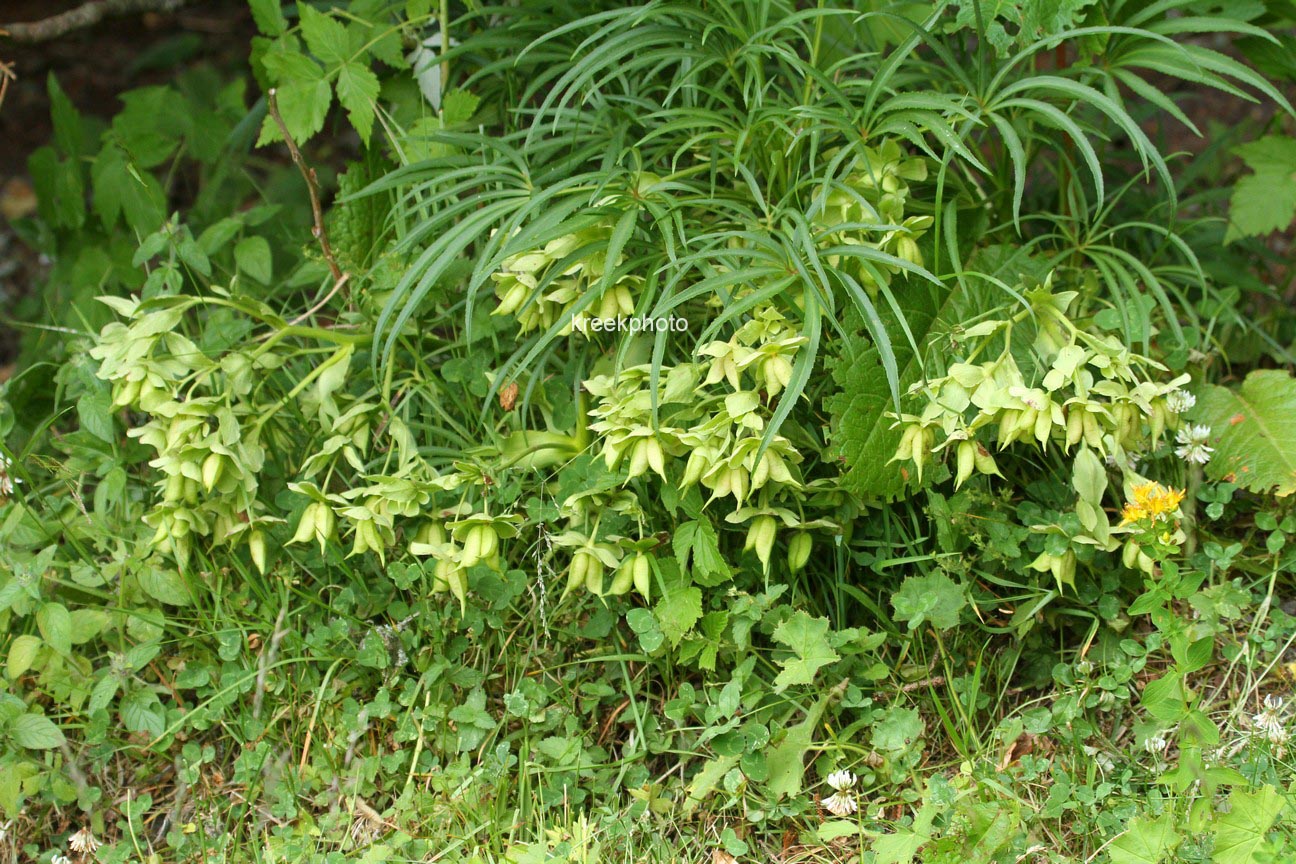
point(1145, 841)
point(268, 16)
point(458, 107)
point(808, 638)
point(697, 540)
point(1240, 833)
point(1264, 201)
point(678, 611)
point(357, 90)
point(35, 732)
point(102, 694)
point(302, 93)
point(1253, 431)
point(935, 599)
point(121, 190)
point(326, 37)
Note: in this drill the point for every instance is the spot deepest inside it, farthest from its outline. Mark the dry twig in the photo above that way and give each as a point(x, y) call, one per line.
point(312, 186)
point(85, 15)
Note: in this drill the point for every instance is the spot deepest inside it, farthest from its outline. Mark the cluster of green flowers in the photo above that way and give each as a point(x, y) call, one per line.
point(207, 443)
point(716, 433)
point(1096, 393)
point(868, 210)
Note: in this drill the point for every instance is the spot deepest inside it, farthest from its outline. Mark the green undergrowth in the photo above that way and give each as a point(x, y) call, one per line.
point(711, 432)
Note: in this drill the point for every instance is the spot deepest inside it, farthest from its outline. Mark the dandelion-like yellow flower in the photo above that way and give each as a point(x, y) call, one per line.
point(1152, 502)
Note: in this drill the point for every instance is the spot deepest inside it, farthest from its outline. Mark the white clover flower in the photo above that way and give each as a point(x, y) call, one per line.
point(83, 842)
point(841, 804)
point(7, 481)
point(1269, 723)
point(1155, 745)
point(1192, 441)
point(1179, 401)
point(60, 859)
point(841, 781)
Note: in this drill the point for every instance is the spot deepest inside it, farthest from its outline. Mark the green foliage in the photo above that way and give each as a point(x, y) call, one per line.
point(1264, 201)
point(1252, 431)
point(735, 424)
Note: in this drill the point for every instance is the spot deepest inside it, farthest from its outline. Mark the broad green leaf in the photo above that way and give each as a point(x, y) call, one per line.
point(22, 653)
point(1240, 833)
point(1264, 201)
point(1253, 430)
point(252, 255)
point(1145, 841)
point(35, 732)
point(167, 586)
point(897, 730)
point(786, 761)
point(94, 410)
point(56, 627)
point(935, 599)
point(104, 691)
point(122, 190)
point(142, 712)
point(808, 638)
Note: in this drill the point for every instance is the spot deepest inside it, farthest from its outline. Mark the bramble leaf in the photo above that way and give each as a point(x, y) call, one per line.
point(1265, 201)
point(1253, 430)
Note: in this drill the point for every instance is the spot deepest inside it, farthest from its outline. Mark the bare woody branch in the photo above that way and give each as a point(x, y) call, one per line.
point(312, 186)
point(85, 15)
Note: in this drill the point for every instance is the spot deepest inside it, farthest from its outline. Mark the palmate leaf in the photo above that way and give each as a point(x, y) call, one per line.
point(1240, 833)
point(1253, 430)
point(808, 637)
point(1146, 841)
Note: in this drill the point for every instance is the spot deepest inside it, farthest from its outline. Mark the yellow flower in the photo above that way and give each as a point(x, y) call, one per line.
point(1153, 502)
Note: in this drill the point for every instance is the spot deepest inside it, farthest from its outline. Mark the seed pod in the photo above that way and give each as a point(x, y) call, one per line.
point(966, 462)
point(473, 548)
point(306, 529)
point(798, 552)
point(985, 462)
point(1129, 555)
point(1074, 426)
point(441, 575)
point(1092, 431)
point(325, 522)
point(257, 548)
point(576, 572)
point(173, 489)
point(624, 578)
point(457, 578)
point(656, 458)
point(126, 393)
point(643, 575)
point(760, 536)
point(212, 468)
point(594, 579)
point(639, 457)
